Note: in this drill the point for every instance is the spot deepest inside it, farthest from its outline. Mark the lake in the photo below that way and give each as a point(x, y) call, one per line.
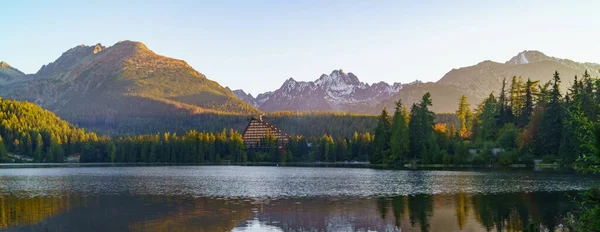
point(241, 198)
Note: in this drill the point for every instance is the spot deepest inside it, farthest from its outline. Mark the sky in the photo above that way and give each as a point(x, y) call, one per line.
point(257, 45)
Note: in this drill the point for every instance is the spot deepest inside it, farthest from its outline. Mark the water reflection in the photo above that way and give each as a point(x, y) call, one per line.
point(440, 212)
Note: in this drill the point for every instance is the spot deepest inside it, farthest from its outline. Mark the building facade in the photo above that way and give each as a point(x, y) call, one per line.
point(257, 130)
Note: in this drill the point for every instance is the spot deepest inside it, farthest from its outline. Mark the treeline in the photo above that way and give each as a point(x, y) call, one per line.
point(525, 122)
point(311, 124)
point(224, 146)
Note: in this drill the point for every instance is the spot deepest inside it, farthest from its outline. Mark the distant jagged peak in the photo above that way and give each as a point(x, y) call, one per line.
point(338, 77)
point(85, 49)
point(529, 56)
point(240, 92)
point(98, 48)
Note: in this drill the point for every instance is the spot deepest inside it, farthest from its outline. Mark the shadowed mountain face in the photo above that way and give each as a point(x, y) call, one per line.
point(126, 80)
point(344, 92)
point(338, 91)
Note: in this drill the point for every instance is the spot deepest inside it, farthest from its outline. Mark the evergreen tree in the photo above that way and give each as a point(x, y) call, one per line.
point(551, 125)
point(399, 144)
point(420, 126)
point(487, 119)
point(527, 108)
point(381, 143)
point(504, 112)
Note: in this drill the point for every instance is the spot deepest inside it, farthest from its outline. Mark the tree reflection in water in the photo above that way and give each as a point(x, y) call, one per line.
point(466, 212)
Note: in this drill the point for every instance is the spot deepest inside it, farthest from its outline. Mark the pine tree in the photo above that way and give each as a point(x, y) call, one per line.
point(527, 108)
point(487, 116)
point(399, 143)
point(420, 126)
point(381, 142)
point(504, 112)
point(552, 126)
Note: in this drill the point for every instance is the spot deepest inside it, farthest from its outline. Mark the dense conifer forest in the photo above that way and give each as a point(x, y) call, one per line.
point(522, 122)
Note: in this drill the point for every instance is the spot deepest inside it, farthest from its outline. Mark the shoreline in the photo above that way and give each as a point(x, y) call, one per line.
point(305, 164)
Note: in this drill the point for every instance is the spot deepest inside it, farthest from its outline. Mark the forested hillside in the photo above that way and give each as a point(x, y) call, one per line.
point(27, 129)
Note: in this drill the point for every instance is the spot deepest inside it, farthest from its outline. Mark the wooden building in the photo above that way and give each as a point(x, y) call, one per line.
point(257, 130)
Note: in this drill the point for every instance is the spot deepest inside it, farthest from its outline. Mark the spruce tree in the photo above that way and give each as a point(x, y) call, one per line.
point(527, 108)
point(504, 112)
point(487, 117)
point(420, 126)
point(381, 142)
point(399, 143)
point(552, 124)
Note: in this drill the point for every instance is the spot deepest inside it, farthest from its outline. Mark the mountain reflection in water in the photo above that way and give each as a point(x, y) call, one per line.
point(422, 212)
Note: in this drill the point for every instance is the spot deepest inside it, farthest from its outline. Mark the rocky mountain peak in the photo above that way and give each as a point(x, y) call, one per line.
point(4, 64)
point(528, 56)
point(71, 58)
point(128, 44)
point(338, 78)
point(98, 48)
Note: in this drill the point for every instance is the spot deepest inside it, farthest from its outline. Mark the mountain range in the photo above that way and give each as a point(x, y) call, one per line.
point(342, 91)
point(126, 80)
point(127, 84)
point(338, 91)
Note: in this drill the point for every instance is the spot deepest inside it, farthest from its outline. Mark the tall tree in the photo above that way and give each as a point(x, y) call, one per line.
point(516, 96)
point(552, 124)
point(381, 142)
point(464, 116)
point(487, 116)
point(528, 103)
point(504, 112)
point(420, 126)
point(400, 136)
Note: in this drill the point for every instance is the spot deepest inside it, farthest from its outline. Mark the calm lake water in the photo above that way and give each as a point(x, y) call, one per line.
point(237, 198)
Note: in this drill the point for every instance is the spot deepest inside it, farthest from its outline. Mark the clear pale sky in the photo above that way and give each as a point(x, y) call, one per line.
point(237, 43)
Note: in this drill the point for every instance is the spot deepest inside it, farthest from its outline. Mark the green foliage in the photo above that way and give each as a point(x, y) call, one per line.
point(551, 126)
point(507, 158)
point(420, 126)
point(399, 139)
point(508, 137)
point(381, 142)
point(486, 120)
